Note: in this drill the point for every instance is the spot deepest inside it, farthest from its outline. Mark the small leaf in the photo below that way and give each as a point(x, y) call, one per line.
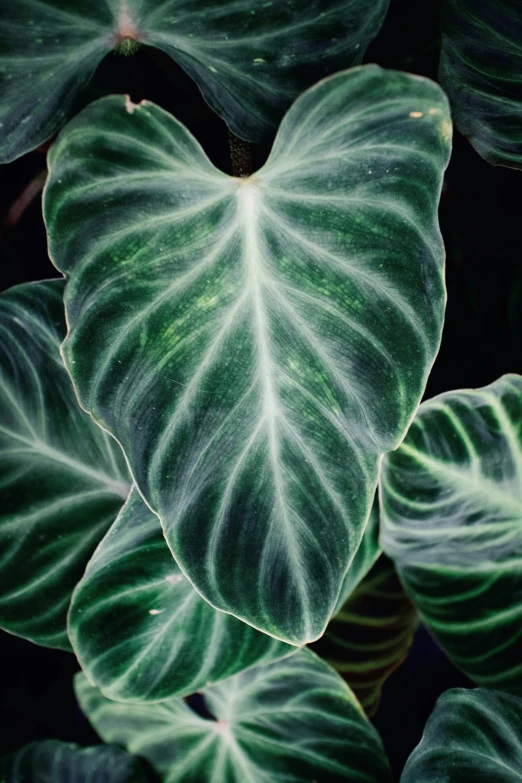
point(452, 521)
point(52, 761)
point(250, 59)
point(63, 480)
point(140, 630)
point(256, 344)
point(472, 735)
point(294, 720)
point(371, 635)
point(481, 71)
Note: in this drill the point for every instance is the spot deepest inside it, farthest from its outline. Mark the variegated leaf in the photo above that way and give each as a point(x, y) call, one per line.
point(51, 761)
point(294, 721)
point(250, 58)
point(140, 630)
point(256, 344)
point(452, 521)
point(62, 479)
point(472, 735)
point(371, 634)
point(481, 71)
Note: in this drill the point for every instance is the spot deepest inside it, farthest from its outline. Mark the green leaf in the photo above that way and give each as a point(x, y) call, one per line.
point(472, 735)
point(452, 521)
point(371, 635)
point(49, 49)
point(142, 633)
point(366, 556)
point(294, 720)
point(481, 71)
point(52, 761)
point(140, 630)
point(256, 344)
point(63, 480)
point(249, 58)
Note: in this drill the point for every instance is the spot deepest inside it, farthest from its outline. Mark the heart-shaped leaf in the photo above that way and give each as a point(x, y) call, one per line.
point(472, 735)
point(371, 635)
point(481, 70)
point(51, 761)
point(256, 344)
point(140, 630)
point(250, 58)
point(294, 720)
point(452, 521)
point(63, 480)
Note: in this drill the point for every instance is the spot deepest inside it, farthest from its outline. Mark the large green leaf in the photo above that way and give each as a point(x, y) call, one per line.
point(371, 634)
point(250, 58)
point(256, 345)
point(62, 479)
point(292, 721)
point(51, 761)
point(481, 70)
point(472, 736)
point(140, 630)
point(452, 521)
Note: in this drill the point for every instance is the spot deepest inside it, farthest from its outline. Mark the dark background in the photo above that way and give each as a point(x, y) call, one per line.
point(480, 216)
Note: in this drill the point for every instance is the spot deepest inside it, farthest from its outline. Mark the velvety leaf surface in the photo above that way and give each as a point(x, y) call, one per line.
point(289, 722)
point(365, 557)
point(250, 58)
point(371, 635)
point(51, 761)
point(62, 479)
point(49, 50)
point(256, 344)
point(452, 520)
point(481, 71)
point(140, 630)
point(472, 735)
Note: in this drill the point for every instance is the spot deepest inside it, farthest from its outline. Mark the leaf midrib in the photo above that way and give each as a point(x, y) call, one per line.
point(249, 196)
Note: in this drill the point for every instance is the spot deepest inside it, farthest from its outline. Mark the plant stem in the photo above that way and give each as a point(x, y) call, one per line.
point(25, 198)
point(240, 156)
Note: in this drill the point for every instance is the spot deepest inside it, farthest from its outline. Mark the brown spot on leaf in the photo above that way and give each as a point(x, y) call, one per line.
point(446, 130)
point(129, 105)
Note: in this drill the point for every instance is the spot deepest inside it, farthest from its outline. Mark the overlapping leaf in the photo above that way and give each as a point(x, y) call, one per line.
point(365, 557)
point(294, 720)
point(452, 521)
point(250, 58)
point(255, 345)
point(62, 479)
point(481, 71)
point(51, 761)
point(472, 735)
point(371, 634)
point(140, 630)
